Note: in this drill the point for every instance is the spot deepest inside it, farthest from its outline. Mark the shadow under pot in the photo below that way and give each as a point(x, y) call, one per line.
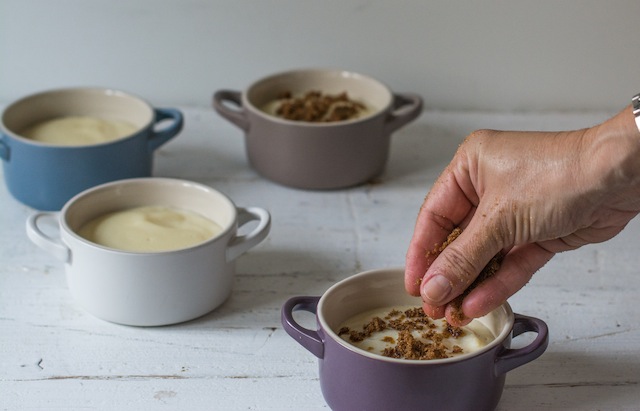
point(44, 174)
point(318, 155)
point(353, 378)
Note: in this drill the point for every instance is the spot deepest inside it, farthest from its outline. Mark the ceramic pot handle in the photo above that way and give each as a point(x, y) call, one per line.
point(509, 359)
point(309, 339)
point(406, 108)
point(50, 244)
point(158, 138)
point(4, 150)
point(241, 244)
point(237, 117)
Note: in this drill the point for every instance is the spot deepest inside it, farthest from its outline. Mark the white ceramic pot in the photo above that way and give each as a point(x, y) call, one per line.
point(150, 288)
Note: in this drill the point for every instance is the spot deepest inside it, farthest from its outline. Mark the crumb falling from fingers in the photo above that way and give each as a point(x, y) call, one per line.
point(488, 271)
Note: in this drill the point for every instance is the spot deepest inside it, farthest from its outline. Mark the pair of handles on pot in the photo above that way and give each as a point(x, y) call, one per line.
point(506, 360)
point(238, 245)
point(405, 108)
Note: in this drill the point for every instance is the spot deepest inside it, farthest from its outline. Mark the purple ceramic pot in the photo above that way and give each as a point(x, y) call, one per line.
point(312, 155)
point(355, 379)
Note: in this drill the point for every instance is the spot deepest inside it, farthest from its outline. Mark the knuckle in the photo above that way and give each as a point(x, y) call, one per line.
point(479, 135)
point(460, 267)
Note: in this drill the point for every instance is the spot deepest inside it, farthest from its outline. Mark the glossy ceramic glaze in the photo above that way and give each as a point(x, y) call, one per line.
point(45, 176)
point(353, 379)
point(318, 155)
point(148, 289)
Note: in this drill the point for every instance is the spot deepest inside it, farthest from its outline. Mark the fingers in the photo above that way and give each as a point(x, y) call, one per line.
point(518, 266)
point(460, 263)
point(440, 277)
point(433, 311)
point(420, 255)
point(446, 207)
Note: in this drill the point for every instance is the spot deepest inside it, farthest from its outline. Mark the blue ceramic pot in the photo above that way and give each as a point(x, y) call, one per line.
point(45, 176)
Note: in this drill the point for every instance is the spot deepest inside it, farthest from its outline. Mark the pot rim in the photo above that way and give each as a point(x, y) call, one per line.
point(106, 91)
point(328, 331)
point(68, 231)
point(319, 71)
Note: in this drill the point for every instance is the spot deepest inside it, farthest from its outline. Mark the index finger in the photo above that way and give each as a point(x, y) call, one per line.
point(445, 207)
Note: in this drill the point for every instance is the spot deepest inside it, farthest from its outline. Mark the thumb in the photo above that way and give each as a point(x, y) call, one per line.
point(458, 265)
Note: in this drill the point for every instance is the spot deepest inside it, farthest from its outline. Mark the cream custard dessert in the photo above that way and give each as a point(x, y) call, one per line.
point(78, 130)
point(408, 333)
point(150, 229)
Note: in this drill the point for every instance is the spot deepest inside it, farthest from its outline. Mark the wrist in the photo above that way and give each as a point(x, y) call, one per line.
point(613, 152)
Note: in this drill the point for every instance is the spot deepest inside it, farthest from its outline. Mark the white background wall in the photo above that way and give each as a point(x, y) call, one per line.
point(534, 55)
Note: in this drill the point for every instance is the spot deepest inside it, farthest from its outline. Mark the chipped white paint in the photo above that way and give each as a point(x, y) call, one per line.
point(55, 356)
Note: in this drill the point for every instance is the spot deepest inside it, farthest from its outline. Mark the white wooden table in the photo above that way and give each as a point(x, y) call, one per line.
point(53, 355)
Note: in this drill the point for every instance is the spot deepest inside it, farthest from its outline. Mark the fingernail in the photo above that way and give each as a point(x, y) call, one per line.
point(436, 289)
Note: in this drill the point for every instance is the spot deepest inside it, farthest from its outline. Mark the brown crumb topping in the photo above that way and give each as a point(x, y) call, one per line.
point(488, 271)
point(407, 346)
point(315, 106)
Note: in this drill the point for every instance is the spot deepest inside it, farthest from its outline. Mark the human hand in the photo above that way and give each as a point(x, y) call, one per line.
point(528, 195)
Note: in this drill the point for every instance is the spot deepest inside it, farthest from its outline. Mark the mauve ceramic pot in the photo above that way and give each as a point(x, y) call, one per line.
point(318, 156)
point(355, 379)
point(45, 176)
point(149, 288)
